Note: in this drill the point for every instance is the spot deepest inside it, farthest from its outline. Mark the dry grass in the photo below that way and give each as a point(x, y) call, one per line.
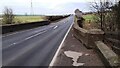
point(26, 19)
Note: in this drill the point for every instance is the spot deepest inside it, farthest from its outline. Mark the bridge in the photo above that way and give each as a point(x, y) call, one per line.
point(55, 44)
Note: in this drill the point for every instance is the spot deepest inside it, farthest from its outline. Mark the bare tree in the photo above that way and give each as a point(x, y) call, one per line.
point(101, 8)
point(8, 16)
point(116, 10)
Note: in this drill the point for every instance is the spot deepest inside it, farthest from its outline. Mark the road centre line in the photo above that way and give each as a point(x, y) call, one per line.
point(21, 31)
point(25, 30)
point(55, 27)
point(17, 32)
point(55, 56)
point(26, 39)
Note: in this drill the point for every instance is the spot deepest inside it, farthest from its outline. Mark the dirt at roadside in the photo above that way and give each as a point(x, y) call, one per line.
point(89, 57)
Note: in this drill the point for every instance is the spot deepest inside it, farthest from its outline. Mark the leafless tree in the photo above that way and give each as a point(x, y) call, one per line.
point(8, 16)
point(101, 9)
point(116, 10)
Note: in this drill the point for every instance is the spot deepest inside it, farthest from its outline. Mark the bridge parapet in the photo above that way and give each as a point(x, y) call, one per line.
point(90, 39)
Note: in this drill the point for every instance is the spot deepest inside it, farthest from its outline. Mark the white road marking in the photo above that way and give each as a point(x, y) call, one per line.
point(23, 31)
point(26, 39)
point(14, 43)
point(17, 32)
point(20, 32)
point(34, 35)
point(55, 56)
point(74, 55)
point(55, 27)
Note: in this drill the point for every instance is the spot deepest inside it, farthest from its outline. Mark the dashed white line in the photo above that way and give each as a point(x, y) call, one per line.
point(55, 27)
point(20, 32)
point(34, 35)
point(17, 32)
point(26, 39)
point(55, 56)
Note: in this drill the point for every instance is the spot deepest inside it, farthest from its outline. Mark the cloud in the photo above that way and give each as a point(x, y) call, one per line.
point(45, 6)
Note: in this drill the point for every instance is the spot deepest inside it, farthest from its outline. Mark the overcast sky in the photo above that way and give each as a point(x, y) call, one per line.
point(46, 6)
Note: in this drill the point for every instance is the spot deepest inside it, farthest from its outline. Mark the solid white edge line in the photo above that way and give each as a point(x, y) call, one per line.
point(55, 56)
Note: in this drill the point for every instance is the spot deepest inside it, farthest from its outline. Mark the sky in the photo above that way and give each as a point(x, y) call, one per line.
point(42, 7)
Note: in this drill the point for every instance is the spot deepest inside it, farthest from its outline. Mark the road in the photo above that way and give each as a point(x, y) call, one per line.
point(34, 47)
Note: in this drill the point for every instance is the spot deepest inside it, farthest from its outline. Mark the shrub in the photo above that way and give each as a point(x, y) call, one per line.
point(8, 16)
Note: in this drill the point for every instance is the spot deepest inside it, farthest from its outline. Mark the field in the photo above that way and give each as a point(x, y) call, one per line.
point(89, 17)
point(90, 21)
point(25, 19)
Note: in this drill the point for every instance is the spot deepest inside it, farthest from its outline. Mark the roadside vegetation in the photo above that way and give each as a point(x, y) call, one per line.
point(8, 17)
point(89, 17)
point(106, 16)
point(26, 19)
point(90, 21)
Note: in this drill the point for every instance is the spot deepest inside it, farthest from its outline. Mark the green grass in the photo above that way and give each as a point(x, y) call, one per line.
point(25, 19)
point(89, 17)
point(90, 21)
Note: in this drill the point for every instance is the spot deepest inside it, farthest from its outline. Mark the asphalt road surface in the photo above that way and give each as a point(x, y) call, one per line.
point(34, 47)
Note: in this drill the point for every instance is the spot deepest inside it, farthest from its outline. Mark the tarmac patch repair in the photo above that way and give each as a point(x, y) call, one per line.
point(74, 55)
